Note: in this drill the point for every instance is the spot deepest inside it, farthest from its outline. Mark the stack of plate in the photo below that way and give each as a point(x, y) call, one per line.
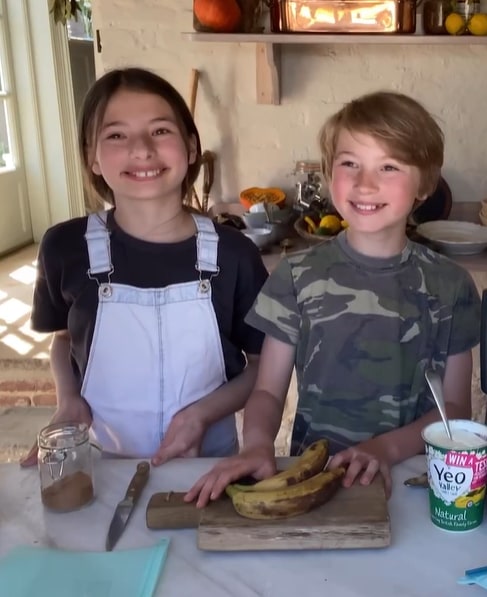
point(454, 238)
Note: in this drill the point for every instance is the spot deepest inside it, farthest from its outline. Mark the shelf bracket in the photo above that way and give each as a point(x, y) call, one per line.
point(267, 60)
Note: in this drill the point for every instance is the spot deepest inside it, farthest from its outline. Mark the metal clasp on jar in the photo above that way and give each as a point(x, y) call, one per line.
point(54, 459)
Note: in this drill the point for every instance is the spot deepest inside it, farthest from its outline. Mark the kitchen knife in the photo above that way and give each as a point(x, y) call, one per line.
point(125, 508)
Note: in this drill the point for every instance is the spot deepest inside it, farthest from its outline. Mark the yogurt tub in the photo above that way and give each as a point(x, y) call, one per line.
point(457, 474)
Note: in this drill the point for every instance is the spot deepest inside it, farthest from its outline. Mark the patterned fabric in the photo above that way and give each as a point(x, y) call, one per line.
point(365, 330)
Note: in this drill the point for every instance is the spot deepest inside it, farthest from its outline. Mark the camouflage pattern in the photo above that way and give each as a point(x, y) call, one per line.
point(365, 330)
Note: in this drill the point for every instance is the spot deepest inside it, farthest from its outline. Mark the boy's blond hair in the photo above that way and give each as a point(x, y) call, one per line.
point(403, 125)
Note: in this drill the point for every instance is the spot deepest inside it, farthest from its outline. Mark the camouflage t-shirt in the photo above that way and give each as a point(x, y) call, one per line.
point(365, 330)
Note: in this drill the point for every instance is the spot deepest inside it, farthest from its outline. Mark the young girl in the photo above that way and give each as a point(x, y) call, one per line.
point(147, 300)
point(362, 316)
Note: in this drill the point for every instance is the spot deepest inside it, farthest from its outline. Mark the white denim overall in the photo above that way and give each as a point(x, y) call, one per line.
point(154, 351)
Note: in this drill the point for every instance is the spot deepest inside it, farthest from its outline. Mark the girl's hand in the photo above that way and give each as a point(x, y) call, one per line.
point(183, 436)
point(364, 461)
point(259, 462)
point(74, 408)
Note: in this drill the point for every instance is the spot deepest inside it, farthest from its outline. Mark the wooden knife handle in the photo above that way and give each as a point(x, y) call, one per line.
point(139, 481)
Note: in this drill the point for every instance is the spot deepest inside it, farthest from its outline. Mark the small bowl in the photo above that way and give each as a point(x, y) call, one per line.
point(261, 237)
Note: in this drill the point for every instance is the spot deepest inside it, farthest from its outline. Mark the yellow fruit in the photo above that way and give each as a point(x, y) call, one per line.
point(289, 501)
point(344, 224)
point(477, 25)
point(311, 224)
point(310, 463)
point(330, 223)
point(455, 24)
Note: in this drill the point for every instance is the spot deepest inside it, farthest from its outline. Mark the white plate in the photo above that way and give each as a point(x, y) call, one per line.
point(455, 238)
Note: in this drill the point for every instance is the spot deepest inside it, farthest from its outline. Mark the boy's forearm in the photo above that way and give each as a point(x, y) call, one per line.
point(262, 419)
point(67, 386)
point(405, 442)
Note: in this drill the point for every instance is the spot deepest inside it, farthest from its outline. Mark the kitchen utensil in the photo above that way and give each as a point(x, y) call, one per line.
point(208, 161)
point(125, 507)
point(356, 517)
point(455, 237)
point(254, 220)
point(435, 384)
point(419, 481)
point(483, 343)
point(436, 206)
point(192, 195)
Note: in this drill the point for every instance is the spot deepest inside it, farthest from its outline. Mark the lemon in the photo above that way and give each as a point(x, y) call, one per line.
point(478, 24)
point(344, 224)
point(455, 24)
point(330, 223)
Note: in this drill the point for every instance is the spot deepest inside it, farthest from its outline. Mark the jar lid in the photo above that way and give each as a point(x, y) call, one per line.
point(308, 166)
point(59, 436)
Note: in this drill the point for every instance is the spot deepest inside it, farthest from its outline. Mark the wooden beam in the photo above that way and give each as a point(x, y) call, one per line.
point(267, 73)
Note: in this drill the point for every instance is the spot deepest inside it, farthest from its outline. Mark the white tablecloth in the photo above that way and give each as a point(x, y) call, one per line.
point(422, 560)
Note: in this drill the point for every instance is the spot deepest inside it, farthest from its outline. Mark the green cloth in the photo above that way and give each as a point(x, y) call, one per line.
point(28, 571)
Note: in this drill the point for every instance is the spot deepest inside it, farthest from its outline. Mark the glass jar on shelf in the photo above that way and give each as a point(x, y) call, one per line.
point(435, 13)
point(309, 185)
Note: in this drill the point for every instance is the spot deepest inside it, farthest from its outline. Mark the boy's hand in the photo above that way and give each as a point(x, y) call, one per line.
point(364, 461)
point(259, 462)
point(183, 436)
point(75, 409)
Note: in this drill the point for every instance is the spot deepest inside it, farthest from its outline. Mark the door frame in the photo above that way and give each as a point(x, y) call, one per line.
point(47, 115)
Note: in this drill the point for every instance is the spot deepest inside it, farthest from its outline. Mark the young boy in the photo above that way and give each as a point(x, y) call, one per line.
point(362, 316)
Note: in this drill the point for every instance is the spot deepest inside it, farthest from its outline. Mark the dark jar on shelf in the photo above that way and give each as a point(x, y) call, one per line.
point(434, 16)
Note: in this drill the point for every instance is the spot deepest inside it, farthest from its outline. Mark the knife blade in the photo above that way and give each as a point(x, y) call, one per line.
point(125, 507)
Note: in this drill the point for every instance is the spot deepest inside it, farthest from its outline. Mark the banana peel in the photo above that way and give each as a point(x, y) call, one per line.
point(287, 502)
point(312, 461)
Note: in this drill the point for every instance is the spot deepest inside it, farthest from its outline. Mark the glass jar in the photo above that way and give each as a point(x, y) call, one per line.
point(308, 180)
point(434, 16)
point(65, 466)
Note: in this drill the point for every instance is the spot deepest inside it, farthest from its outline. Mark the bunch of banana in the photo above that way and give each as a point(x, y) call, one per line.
point(289, 501)
point(311, 462)
point(291, 492)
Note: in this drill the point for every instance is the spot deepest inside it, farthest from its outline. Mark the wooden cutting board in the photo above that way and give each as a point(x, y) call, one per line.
point(354, 518)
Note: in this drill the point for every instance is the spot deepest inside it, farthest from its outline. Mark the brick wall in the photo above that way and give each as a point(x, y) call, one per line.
point(26, 382)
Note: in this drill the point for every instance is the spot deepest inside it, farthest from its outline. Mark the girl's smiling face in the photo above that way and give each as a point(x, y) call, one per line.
point(140, 150)
point(372, 190)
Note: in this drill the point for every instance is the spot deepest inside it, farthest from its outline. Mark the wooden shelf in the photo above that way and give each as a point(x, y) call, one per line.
point(268, 44)
point(332, 38)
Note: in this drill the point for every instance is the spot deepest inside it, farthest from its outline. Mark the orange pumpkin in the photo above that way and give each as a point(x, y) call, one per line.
point(254, 195)
point(223, 16)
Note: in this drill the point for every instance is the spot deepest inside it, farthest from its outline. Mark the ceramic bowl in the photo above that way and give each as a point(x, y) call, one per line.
point(455, 237)
point(254, 220)
point(261, 237)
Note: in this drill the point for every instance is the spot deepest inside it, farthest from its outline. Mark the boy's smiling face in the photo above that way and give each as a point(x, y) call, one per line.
point(374, 192)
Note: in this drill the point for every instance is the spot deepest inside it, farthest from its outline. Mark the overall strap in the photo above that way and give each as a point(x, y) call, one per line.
point(206, 245)
point(98, 240)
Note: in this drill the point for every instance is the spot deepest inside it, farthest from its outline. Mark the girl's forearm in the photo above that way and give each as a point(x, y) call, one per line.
point(230, 397)
point(67, 386)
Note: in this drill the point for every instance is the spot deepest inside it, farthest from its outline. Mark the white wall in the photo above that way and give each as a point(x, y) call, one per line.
point(258, 144)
